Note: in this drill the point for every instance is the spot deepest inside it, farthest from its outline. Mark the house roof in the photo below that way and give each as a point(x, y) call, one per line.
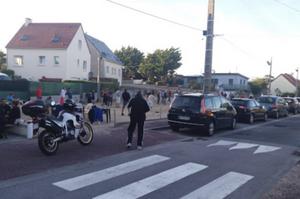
point(290, 78)
point(44, 35)
point(103, 49)
point(238, 74)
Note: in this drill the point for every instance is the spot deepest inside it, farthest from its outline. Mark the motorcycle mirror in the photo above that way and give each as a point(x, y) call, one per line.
point(52, 103)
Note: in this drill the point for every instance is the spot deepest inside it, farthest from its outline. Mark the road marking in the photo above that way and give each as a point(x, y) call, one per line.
point(105, 174)
point(243, 145)
point(152, 183)
point(266, 149)
point(220, 187)
point(222, 143)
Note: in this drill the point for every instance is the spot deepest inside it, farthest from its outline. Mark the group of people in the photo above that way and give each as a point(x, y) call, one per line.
point(10, 113)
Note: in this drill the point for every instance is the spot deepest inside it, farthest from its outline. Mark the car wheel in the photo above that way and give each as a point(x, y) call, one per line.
point(233, 123)
point(174, 128)
point(210, 128)
point(251, 119)
point(265, 117)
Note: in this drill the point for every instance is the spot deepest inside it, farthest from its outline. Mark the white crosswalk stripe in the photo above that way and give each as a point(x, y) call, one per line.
point(243, 145)
point(152, 183)
point(220, 187)
point(105, 174)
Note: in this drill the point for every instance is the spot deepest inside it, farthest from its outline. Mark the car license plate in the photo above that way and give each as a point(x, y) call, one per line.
point(183, 118)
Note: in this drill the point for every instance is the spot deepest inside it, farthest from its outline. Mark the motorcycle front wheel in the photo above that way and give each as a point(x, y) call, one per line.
point(86, 134)
point(46, 143)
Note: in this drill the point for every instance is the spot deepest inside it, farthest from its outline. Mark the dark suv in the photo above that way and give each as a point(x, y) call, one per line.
point(249, 110)
point(276, 106)
point(208, 111)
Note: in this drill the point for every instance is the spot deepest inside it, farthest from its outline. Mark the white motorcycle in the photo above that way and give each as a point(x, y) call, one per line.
point(68, 125)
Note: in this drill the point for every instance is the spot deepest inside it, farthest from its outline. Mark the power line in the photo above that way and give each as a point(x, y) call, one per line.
point(155, 16)
point(287, 5)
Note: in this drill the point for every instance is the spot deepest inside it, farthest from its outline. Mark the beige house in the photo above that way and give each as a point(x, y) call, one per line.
point(284, 83)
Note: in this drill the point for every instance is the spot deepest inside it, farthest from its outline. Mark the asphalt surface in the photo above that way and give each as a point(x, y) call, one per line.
point(250, 161)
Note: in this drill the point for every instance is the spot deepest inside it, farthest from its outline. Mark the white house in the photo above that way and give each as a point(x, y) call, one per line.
point(230, 81)
point(49, 50)
point(284, 83)
point(103, 58)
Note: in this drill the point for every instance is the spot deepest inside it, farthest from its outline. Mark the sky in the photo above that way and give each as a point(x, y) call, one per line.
point(248, 32)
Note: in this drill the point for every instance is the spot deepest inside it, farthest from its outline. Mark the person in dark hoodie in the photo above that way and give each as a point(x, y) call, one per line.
point(138, 107)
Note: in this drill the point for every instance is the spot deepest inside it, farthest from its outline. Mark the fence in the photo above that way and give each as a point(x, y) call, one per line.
point(23, 89)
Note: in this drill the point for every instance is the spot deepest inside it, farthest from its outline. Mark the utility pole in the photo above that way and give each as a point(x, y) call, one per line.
point(270, 63)
point(98, 78)
point(297, 83)
point(209, 33)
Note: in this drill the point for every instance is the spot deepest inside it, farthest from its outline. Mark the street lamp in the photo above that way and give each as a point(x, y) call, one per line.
point(270, 75)
point(99, 59)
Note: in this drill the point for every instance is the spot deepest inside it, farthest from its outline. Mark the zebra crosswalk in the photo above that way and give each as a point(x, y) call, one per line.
point(219, 188)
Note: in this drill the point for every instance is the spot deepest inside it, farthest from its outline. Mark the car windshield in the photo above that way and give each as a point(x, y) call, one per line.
point(267, 100)
point(188, 102)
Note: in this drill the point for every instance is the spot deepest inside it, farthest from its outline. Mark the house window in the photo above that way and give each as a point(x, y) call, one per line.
point(42, 60)
point(244, 82)
point(84, 65)
point(56, 60)
point(241, 81)
point(78, 62)
point(119, 72)
point(107, 69)
point(18, 60)
point(230, 81)
point(79, 44)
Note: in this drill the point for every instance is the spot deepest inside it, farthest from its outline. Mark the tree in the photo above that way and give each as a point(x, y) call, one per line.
point(259, 86)
point(131, 58)
point(152, 67)
point(2, 60)
point(161, 65)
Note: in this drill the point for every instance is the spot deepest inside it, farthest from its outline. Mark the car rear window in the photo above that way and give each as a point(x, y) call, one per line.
point(289, 100)
point(239, 102)
point(268, 100)
point(188, 102)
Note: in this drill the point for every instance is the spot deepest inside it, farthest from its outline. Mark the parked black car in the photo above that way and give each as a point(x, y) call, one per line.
point(294, 105)
point(249, 110)
point(276, 106)
point(208, 111)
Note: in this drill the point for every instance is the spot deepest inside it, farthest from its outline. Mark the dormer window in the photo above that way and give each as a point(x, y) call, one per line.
point(24, 38)
point(56, 39)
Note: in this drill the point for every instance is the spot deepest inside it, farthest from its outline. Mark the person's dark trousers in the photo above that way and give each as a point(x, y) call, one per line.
point(131, 128)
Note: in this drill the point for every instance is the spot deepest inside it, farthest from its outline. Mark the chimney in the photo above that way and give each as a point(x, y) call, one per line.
point(27, 21)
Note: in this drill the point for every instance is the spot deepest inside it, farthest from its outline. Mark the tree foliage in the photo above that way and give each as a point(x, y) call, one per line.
point(2, 60)
point(161, 65)
point(258, 86)
point(131, 58)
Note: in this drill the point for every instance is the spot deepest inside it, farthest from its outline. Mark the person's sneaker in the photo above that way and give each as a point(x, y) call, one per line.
point(139, 148)
point(128, 145)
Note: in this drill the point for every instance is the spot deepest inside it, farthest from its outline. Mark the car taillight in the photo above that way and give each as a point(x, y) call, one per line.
point(242, 107)
point(202, 106)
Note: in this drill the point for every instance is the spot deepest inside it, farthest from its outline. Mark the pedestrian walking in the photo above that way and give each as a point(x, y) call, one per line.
point(62, 96)
point(125, 98)
point(138, 108)
point(69, 93)
point(38, 92)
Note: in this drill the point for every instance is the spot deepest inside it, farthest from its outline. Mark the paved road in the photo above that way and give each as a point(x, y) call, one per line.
point(244, 163)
